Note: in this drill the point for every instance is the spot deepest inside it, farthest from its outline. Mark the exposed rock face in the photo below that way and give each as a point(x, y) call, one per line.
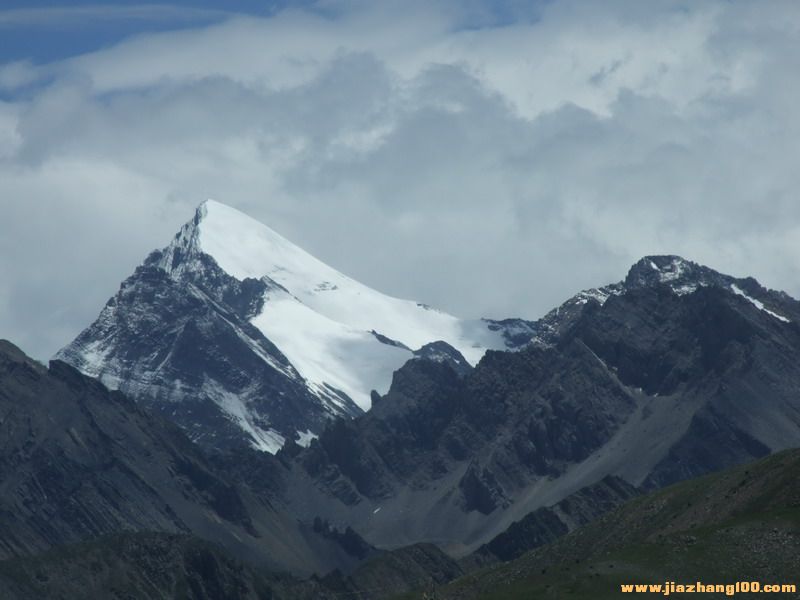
point(416, 567)
point(673, 372)
point(442, 352)
point(549, 523)
point(676, 372)
point(707, 529)
point(160, 566)
point(181, 344)
point(129, 566)
point(242, 338)
point(78, 462)
point(147, 566)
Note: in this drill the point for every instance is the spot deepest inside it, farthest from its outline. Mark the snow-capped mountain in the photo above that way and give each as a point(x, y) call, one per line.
point(233, 331)
point(669, 272)
point(674, 372)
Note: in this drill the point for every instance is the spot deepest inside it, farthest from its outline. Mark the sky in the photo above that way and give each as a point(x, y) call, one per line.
point(487, 158)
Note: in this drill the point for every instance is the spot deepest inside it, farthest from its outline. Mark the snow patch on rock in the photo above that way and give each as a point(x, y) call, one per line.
point(757, 303)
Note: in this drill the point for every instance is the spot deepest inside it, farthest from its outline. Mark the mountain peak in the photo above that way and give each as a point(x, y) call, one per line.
point(246, 248)
point(681, 275)
point(232, 325)
point(203, 208)
point(201, 212)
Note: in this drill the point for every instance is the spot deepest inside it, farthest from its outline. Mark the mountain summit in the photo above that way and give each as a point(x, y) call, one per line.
point(237, 334)
point(666, 273)
point(674, 372)
point(243, 339)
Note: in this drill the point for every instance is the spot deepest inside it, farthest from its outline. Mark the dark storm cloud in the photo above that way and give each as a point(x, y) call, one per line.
point(489, 170)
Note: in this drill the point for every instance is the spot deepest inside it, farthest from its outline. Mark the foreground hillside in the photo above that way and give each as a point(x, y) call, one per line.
point(676, 372)
point(78, 462)
point(100, 499)
point(739, 525)
point(742, 524)
point(152, 566)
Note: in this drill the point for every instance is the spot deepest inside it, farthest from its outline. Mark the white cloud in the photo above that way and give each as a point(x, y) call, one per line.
point(489, 170)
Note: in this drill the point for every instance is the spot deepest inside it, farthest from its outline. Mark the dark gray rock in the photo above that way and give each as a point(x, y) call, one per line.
point(177, 338)
point(675, 372)
point(78, 461)
point(443, 352)
point(547, 524)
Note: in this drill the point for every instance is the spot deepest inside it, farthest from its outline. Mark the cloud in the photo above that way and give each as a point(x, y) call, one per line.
point(490, 162)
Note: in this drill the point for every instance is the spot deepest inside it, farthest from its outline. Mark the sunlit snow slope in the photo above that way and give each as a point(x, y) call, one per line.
point(238, 335)
point(323, 321)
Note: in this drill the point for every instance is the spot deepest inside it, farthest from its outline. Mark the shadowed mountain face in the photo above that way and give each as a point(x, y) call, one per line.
point(675, 372)
point(154, 566)
point(183, 346)
point(708, 529)
point(145, 566)
point(547, 524)
point(742, 524)
point(177, 338)
point(78, 461)
point(242, 338)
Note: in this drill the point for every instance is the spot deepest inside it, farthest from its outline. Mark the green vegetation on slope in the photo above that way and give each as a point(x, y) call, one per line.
point(739, 525)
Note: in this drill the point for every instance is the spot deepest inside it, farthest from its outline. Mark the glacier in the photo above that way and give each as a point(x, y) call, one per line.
point(233, 327)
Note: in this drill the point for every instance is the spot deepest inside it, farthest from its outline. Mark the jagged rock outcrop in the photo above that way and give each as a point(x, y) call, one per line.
point(242, 338)
point(737, 525)
point(547, 524)
point(675, 372)
point(78, 462)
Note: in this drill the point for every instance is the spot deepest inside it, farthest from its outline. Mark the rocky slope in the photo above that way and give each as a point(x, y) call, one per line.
point(673, 373)
point(78, 462)
point(239, 336)
point(99, 498)
point(739, 525)
point(146, 566)
point(151, 566)
point(547, 524)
